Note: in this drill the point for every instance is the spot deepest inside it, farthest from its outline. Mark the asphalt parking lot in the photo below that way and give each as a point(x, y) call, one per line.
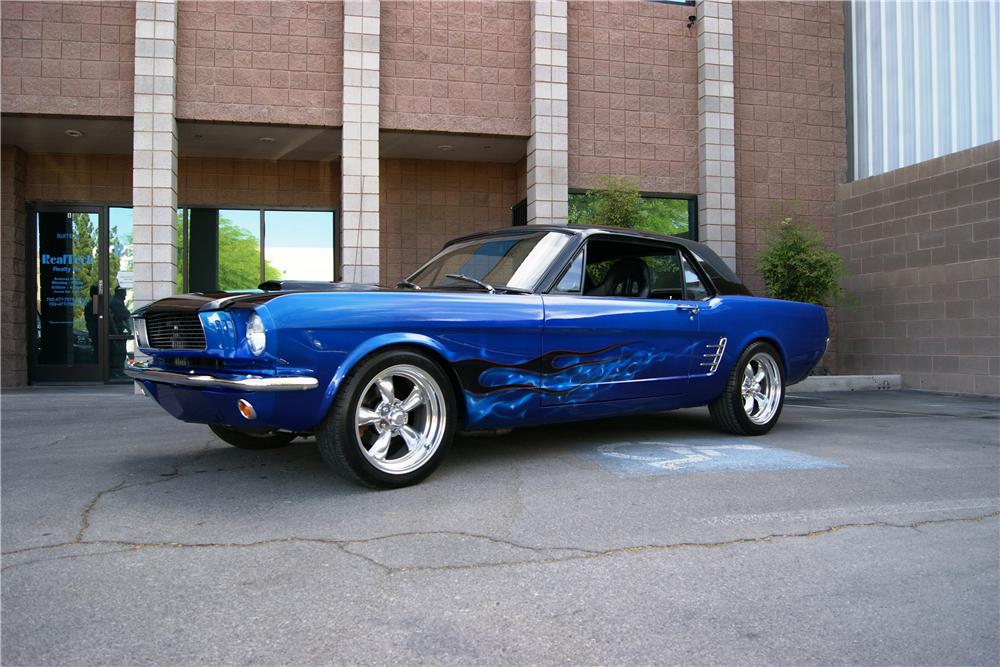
point(865, 528)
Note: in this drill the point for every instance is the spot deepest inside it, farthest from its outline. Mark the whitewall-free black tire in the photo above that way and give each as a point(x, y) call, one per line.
point(755, 392)
point(392, 421)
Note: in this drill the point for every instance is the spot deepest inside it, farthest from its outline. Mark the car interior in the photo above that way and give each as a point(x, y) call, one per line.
point(634, 270)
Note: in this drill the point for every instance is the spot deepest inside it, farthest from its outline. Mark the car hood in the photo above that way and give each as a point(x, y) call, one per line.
point(205, 301)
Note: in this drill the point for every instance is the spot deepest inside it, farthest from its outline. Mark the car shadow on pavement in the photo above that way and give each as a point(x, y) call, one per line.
point(300, 463)
point(540, 442)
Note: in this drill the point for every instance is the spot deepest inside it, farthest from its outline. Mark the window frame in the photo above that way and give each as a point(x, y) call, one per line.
point(262, 211)
point(710, 289)
point(580, 252)
point(692, 204)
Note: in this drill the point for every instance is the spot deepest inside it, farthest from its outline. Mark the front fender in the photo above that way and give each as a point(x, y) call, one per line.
point(370, 346)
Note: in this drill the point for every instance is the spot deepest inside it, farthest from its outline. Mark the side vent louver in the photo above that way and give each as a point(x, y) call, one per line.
point(713, 357)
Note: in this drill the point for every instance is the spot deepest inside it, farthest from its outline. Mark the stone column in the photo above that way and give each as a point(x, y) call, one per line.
point(548, 147)
point(13, 330)
point(154, 151)
point(716, 129)
point(360, 162)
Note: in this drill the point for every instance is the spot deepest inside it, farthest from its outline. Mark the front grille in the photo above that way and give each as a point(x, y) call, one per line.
point(175, 331)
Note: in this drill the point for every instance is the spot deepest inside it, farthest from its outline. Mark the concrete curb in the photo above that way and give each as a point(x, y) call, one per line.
point(817, 383)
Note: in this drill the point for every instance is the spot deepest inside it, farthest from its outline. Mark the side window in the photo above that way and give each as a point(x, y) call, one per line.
point(572, 280)
point(637, 270)
point(694, 290)
point(665, 275)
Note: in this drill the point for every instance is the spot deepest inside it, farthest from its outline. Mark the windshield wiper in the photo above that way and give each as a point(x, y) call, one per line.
point(461, 276)
point(406, 283)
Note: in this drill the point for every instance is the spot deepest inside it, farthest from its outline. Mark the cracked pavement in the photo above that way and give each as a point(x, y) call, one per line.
point(131, 538)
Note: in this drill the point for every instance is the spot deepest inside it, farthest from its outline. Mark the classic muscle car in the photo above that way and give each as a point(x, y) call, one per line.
point(523, 326)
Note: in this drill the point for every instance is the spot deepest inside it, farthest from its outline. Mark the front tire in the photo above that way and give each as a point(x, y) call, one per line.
point(754, 395)
point(392, 421)
point(253, 440)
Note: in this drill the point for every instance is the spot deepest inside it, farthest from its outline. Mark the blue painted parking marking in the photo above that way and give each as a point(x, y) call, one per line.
point(670, 458)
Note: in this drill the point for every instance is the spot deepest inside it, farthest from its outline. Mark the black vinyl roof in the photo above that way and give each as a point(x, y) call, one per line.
point(725, 279)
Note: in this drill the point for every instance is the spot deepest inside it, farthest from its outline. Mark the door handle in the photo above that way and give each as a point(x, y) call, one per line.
point(685, 308)
point(96, 299)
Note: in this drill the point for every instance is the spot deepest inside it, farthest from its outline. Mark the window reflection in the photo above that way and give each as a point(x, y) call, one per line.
point(121, 345)
point(662, 215)
point(239, 251)
point(298, 245)
point(67, 310)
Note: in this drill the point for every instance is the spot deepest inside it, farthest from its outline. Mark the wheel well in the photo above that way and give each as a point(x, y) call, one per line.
point(773, 343)
point(442, 363)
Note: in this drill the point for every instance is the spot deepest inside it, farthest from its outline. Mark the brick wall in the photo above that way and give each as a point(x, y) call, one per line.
point(96, 179)
point(922, 246)
point(791, 139)
point(229, 182)
point(13, 352)
point(425, 203)
point(107, 179)
point(68, 57)
point(456, 66)
point(261, 62)
point(633, 95)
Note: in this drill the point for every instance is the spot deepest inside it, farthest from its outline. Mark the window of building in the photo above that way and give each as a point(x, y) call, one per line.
point(923, 81)
point(674, 216)
point(299, 245)
point(237, 249)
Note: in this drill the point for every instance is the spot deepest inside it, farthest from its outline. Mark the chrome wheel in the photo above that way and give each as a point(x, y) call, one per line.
point(400, 419)
point(761, 388)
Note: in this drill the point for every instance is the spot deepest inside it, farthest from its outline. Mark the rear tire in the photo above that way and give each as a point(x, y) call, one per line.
point(392, 421)
point(253, 440)
point(755, 392)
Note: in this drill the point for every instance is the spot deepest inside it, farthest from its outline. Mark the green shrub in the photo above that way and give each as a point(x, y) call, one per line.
point(616, 203)
point(797, 266)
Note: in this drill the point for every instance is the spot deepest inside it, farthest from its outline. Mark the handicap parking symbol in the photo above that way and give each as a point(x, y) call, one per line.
point(661, 458)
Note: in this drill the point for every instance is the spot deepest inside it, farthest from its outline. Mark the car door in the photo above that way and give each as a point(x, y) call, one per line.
point(614, 330)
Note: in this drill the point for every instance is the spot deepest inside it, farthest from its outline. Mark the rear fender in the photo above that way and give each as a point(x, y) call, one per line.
point(765, 336)
point(708, 387)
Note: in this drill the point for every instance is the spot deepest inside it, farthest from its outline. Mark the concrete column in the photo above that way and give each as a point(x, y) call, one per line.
point(548, 147)
point(359, 165)
point(154, 151)
point(716, 133)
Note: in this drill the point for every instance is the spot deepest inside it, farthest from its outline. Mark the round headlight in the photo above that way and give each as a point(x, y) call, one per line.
point(256, 338)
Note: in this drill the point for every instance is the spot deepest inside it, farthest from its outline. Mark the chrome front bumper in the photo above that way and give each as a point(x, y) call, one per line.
point(142, 371)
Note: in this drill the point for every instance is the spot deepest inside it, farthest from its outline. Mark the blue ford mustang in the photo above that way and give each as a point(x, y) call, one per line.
point(522, 326)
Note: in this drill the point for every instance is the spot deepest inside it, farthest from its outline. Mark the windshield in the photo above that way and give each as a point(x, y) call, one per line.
point(507, 262)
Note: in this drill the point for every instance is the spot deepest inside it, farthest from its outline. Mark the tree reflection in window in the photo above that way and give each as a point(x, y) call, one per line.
point(661, 215)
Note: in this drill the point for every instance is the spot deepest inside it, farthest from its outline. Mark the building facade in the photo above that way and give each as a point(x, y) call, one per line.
point(156, 146)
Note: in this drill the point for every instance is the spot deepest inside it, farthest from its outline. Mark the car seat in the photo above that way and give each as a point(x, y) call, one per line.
point(627, 277)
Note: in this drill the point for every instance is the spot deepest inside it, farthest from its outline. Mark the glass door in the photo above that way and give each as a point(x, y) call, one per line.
point(65, 341)
point(79, 312)
point(118, 313)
